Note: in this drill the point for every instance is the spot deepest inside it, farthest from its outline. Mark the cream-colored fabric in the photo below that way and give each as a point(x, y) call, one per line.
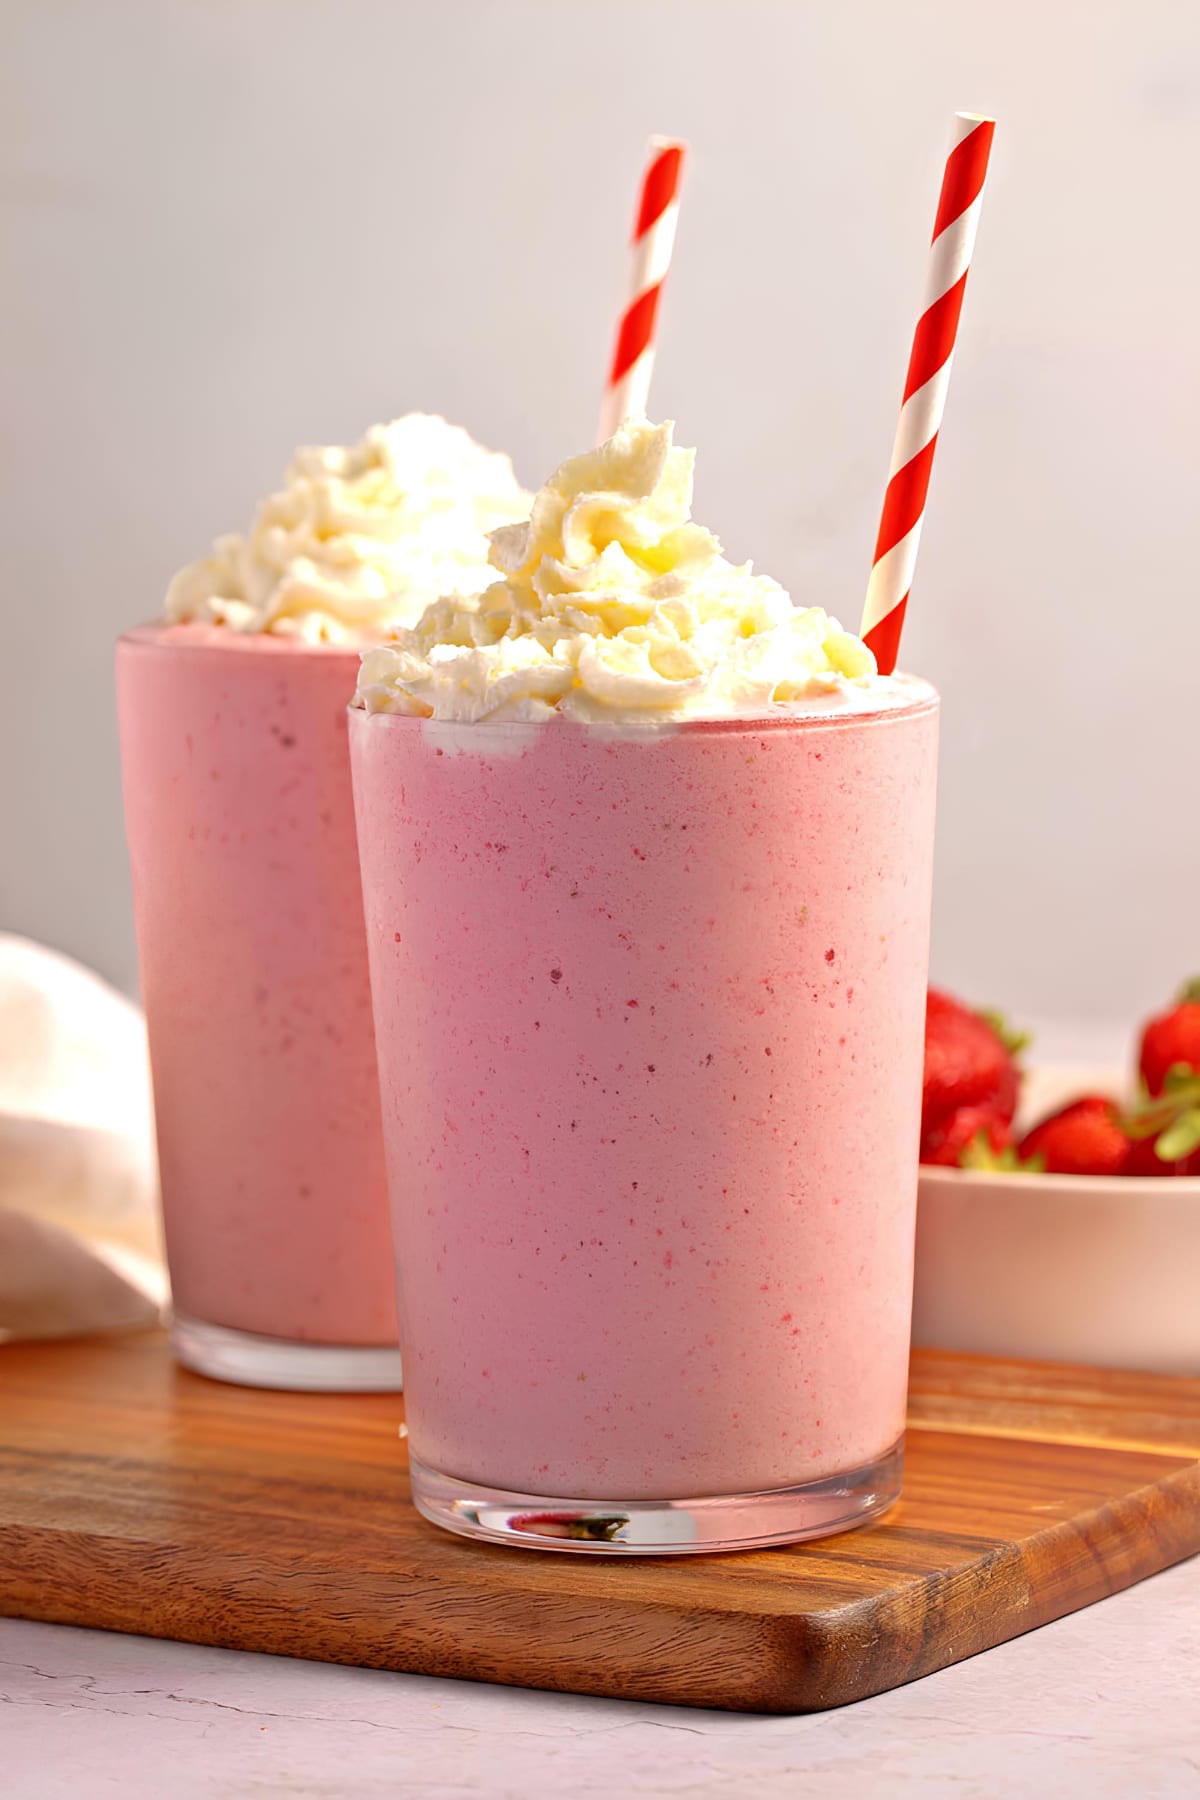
point(79, 1237)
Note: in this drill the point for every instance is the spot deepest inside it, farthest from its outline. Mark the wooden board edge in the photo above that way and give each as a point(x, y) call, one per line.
point(546, 1642)
point(754, 1657)
point(882, 1642)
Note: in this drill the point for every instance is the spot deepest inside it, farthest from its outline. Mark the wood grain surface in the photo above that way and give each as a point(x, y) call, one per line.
point(137, 1497)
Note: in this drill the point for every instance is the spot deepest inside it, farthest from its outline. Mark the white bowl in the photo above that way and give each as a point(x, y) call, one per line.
point(1065, 1268)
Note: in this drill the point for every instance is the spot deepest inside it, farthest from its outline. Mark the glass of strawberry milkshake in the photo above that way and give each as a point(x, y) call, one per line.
point(240, 822)
point(646, 854)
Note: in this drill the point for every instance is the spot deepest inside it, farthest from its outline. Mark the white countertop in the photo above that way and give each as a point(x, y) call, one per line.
point(1104, 1705)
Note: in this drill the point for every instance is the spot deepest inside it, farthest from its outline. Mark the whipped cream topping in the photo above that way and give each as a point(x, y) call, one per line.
point(359, 540)
point(614, 605)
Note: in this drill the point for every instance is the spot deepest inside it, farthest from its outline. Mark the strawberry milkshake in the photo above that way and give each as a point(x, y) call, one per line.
point(240, 822)
point(646, 854)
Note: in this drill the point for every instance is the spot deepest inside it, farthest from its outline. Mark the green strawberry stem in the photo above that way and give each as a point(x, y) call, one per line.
point(1014, 1041)
point(1180, 1139)
point(1189, 993)
point(979, 1155)
point(1172, 1118)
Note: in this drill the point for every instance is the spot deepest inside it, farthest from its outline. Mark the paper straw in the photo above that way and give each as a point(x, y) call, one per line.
point(925, 389)
point(628, 389)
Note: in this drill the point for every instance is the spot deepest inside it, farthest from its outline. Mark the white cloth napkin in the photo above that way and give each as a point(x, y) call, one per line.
point(79, 1237)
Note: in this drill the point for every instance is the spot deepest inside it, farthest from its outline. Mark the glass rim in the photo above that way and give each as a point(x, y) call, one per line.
point(223, 640)
point(650, 730)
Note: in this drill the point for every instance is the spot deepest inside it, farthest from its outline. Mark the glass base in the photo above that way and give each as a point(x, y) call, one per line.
point(660, 1527)
point(252, 1360)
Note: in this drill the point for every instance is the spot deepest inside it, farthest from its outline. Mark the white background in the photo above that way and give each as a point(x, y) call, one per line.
point(229, 228)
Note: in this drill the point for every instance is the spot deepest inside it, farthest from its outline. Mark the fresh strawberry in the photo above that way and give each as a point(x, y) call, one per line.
point(947, 1142)
point(1172, 1040)
point(1085, 1138)
point(970, 1060)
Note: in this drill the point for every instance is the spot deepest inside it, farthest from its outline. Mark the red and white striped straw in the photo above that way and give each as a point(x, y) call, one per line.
point(628, 388)
point(925, 389)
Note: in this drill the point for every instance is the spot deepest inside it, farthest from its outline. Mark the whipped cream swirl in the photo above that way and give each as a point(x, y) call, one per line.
point(614, 605)
point(359, 540)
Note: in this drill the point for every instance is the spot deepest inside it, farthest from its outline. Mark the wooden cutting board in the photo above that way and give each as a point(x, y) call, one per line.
point(137, 1497)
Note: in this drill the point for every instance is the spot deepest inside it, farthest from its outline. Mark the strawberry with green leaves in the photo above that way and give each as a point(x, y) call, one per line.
point(1165, 1123)
point(969, 1137)
point(1172, 1041)
point(971, 1081)
point(970, 1096)
point(1166, 1128)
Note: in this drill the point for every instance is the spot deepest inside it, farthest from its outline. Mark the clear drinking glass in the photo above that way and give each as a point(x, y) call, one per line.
point(248, 909)
point(649, 1010)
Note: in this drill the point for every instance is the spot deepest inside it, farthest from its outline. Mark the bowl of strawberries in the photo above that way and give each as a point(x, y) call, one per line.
point(1059, 1210)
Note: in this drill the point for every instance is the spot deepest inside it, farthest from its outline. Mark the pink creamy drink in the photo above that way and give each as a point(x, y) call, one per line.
point(249, 916)
point(248, 905)
point(649, 997)
point(650, 1024)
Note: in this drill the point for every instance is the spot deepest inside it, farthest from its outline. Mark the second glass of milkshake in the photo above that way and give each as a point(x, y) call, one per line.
point(247, 903)
point(646, 854)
